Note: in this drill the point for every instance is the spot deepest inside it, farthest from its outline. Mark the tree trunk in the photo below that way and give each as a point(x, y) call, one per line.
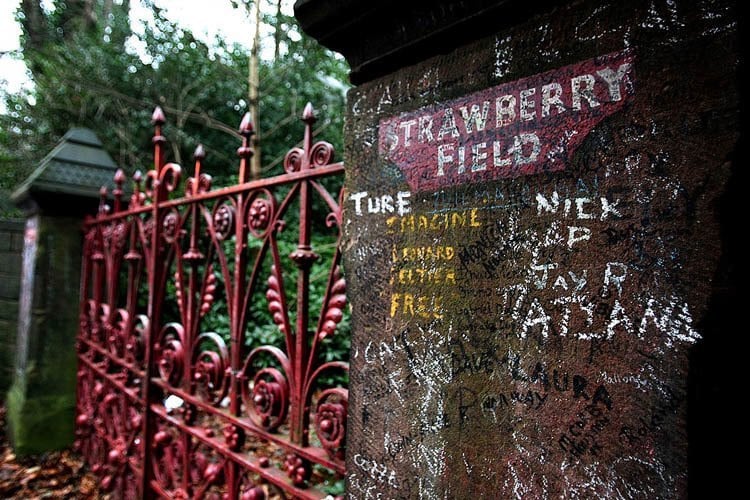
point(77, 16)
point(106, 11)
point(253, 94)
point(277, 31)
point(34, 24)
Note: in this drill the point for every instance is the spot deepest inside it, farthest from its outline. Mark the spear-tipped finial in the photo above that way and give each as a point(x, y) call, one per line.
point(308, 117)
point(117, 191)
point(308, 114)
point(246, 125)
point(119, 177)
point(135, 199)
point(103, 208)
point(157, 117)
point(194, 182)
point(245, 152)
point(199, 154)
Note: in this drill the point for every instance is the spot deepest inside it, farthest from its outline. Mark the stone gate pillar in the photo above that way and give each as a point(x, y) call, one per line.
point(539, 245)
point(56, 196)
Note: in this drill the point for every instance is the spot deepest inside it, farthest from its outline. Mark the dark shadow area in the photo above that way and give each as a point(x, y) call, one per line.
point(715, 424)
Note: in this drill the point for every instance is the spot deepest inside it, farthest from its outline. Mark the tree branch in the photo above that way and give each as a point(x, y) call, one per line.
point(201, 117)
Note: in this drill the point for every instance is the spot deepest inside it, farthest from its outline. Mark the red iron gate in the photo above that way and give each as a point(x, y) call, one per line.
point(166, 408)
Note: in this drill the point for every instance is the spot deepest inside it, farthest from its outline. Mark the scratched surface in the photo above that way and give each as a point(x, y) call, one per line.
point(527, 334)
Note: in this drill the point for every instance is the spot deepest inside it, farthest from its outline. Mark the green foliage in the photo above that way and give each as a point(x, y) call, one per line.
point(261, 329)
point(86, 72)
point(332, 484)
point(91, 76)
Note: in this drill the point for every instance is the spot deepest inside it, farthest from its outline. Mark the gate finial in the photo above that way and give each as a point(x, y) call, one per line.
point(117, 192)
point(200, 153)
point(245, 152)
point(308, 114)
point(199, 182)
point(103, 207)
point(158, 119)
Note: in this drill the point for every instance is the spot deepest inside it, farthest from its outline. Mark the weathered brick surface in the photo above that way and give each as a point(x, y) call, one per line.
point(11, 231)
point(5, 240)
point(16, 243)
point(534, 335)
point(10, 271)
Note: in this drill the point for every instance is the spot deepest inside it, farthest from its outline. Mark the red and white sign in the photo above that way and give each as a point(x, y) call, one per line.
point(518, 128)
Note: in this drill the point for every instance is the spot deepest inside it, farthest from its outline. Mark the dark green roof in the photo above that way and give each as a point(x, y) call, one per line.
point(77, 166)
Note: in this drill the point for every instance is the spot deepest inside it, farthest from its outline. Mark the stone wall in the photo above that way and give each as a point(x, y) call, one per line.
point(11, 246)
point(540, 259)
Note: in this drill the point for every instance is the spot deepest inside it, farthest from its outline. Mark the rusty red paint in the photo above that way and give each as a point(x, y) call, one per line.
point(132, 358)
point(523, 127)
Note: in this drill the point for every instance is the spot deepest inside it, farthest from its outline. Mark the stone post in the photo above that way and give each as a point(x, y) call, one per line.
point(539, 244)
point(65, 186)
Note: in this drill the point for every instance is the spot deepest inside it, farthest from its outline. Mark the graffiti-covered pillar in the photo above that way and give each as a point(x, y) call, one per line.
point(538, 245)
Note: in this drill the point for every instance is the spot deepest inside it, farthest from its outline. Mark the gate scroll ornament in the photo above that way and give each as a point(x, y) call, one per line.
point(168, 409)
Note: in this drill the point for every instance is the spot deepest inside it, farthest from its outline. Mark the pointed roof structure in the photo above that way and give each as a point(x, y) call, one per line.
point(77, 167)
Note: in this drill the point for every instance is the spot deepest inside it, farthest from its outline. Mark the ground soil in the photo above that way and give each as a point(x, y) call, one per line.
point(57, 474)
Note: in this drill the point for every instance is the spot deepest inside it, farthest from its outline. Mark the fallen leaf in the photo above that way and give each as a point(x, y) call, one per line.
point(48, 475)
point(88, 485)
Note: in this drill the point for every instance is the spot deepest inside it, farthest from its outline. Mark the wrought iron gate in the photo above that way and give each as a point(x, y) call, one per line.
point(167, 408)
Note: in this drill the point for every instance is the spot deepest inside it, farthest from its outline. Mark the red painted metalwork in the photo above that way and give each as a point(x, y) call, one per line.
point(168, 409)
